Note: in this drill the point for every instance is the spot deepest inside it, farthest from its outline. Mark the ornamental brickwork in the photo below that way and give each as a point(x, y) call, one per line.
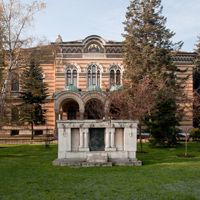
point(80, 71)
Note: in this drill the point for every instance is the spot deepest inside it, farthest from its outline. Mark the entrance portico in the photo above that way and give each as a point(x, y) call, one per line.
point(85, 135)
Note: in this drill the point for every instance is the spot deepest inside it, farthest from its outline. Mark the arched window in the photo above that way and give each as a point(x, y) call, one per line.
point(14, 114)
point(94, 75)
point(71, 75)
point(89, 78)
point(74, 80)
point(112, 77)
point(118, 77)
point(69, 78)
point(98, 77)
point(15, 83)
point(115, 75)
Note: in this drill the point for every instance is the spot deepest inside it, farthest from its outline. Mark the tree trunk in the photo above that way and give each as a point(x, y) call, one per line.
point(32, 131)
point(140, 135)
point(186, 145)
point(4, 88)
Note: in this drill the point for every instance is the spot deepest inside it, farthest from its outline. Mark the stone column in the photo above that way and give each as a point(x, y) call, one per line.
point(84, 139)
point(81, 139)
point(56, 124)
point(107, 139)
point(112, 138)
point(81, 115)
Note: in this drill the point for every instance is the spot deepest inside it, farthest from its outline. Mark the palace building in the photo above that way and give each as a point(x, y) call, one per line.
point(80, 74)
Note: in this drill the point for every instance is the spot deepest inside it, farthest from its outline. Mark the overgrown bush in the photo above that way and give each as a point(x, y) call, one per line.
point(195, 134)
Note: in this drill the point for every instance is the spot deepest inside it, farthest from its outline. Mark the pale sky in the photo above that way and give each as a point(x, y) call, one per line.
point(77, 19)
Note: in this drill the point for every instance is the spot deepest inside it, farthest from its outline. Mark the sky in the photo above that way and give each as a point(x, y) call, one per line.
point(77, 19)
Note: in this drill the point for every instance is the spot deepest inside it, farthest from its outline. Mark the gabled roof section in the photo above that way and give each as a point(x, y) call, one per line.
point(88, 39)
point(91, 46)
point(95, 46)
point(94, 37)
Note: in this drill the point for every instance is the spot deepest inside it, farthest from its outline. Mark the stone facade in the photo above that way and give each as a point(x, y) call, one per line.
point(79, 72)
point(80, 144)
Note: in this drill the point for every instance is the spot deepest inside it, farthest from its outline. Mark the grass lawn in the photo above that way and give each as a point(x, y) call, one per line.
point(26, 173)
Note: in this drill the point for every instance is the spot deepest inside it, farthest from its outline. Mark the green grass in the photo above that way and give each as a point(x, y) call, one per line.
point(26, 173)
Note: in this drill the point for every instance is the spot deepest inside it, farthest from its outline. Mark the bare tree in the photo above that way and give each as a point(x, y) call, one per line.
point(16, 18)
point(94, 109)
point(135, 102)
point(196, 110)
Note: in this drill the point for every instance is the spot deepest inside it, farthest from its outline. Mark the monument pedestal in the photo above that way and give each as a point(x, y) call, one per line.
point(97, 143)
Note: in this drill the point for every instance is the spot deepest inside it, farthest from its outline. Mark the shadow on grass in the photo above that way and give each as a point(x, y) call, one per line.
point(15, 156)
point(141, 152)
point(182, 155)
point(157, 155)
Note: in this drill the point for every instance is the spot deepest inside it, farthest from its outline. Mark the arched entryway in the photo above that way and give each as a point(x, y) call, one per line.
point(70, 110)
point(94, 109)
point(68, 105)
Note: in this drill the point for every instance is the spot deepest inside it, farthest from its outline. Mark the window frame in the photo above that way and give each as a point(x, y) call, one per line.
point(14, 83)
point(15, 115)
point(115, 75)
point(93, 75)
point(71, 76)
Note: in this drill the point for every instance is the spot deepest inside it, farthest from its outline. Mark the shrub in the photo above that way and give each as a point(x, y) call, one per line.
point(195, 134)
point(163, 120)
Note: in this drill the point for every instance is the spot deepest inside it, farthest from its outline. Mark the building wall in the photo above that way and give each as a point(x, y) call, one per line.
point(57, 57)
point(82, 65)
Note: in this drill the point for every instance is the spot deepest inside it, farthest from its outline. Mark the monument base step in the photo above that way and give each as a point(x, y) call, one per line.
point(97, 157)
point(126, 162)
point(78, 163)
point(75, 163)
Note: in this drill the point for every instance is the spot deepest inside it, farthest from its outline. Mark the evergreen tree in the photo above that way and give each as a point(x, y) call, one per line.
point(163, 121)
point(33, 95)
point(196, 72)
point(148, 50)
point(148, 44)
point(196, 87)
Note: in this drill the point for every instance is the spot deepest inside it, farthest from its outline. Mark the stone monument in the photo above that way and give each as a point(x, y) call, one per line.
point(97, 143)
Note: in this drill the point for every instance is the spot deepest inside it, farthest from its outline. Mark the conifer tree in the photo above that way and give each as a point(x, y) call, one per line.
point(196, 87)
point(148, 43)
point(33, 95)
point(164, 120)
point(196, 74)
point(148, 50)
